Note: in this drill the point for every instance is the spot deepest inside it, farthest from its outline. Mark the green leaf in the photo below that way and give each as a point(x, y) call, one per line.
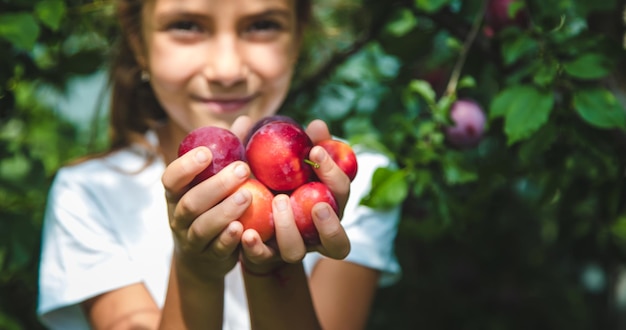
point(467, 82)
point(546, 73)
point(455, 172)
point(430, 6)
point(618, 229)
point(525, 109)
point(50, 12)
point(15, 168)
point(587, 66)
point(533, 148)
point(389, 189)
point(423, 180)
point(8, 322)
point(403, 22)
point(424, 89)
point(20, 29)
point(337, 101)
point(600, 108)
point(515, 7)
point(516, 48)
point(501, 103)
point(441, 112)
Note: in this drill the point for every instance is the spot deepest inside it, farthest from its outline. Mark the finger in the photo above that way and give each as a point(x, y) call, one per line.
point(317, 130)
point(226, 244)
point(254, 249)
point(206, 227)
point(332, 175)
point(181, 171)
point(334, 240)
point(241, 126)
point(290, 244)
point(208, 193)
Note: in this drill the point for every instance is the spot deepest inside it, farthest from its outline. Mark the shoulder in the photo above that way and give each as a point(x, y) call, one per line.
point(370, 158)
point(126, 164)
point(368, 161)
point(101, 186)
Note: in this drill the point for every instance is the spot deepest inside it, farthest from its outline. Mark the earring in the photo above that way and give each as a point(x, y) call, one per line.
point(145, 76)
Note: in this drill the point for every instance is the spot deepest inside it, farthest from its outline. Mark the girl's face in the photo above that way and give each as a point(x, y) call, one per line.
point(211, 61)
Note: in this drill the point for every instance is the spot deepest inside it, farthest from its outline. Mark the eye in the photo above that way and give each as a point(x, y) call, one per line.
point(264, 25)
point(189, 26)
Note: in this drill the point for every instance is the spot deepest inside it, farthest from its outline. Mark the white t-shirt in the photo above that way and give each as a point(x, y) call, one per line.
point(106, 227)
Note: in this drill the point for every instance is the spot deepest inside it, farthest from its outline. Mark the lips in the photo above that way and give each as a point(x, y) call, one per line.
point(225, 105)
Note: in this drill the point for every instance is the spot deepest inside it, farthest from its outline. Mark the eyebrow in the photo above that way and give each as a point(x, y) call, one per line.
point(164, 18)
point(182, 12)
point(272, 12)
point(177, 13)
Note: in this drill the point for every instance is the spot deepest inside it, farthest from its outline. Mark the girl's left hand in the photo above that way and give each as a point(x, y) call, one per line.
point(290, 248)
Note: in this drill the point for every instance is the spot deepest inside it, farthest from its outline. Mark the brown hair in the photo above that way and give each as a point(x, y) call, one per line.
point(134, 107)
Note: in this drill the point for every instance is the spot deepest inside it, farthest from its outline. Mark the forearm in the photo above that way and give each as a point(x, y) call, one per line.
point(280, 300)
point(191, 302)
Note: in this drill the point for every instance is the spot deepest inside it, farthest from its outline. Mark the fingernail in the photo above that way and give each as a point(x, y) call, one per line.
point(202, 157)
point(319, 155)
point(241, 171)
point(323, 213)
point(281, 203)
point(232, 230)
point(240, 197)
point(250, 241)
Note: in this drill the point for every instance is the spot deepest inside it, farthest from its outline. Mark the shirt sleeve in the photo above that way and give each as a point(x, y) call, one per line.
point(81, 256)
point(371, 232)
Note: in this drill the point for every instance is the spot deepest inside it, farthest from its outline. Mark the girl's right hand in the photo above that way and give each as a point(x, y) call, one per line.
point(203, 217)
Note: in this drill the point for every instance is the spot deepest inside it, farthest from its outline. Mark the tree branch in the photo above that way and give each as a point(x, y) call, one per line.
point(469, 41)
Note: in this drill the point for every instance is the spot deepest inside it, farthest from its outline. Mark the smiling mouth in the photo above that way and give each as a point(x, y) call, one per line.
point(226, 105)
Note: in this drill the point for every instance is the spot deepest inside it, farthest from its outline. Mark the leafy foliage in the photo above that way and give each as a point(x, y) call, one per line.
point(504, 235)
point(45, 44)
point(525, 230)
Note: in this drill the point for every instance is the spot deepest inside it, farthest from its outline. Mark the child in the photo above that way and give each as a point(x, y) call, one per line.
point(128, 245)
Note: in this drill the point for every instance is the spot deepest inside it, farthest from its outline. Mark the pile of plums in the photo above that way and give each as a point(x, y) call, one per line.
point(277, 150)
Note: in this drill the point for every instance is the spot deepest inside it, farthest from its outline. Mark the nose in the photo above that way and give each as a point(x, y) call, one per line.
point(226, 66)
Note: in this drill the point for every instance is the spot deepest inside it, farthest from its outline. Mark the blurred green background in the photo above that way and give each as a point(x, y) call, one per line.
point(526, 230)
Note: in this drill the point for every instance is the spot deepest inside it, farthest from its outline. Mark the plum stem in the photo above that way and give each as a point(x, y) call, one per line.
point(312, 163)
